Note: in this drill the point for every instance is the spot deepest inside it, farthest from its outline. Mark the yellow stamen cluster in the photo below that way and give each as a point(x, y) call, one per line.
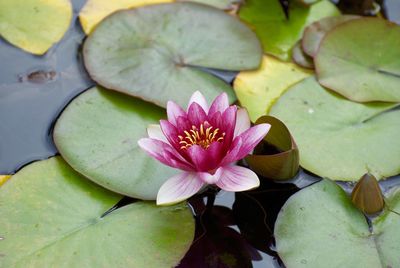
point(200, 136)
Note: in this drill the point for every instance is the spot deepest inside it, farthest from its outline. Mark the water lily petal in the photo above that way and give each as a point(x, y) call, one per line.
point(245, 143)
point(178, 188)
point(205, 159)
point(242, 121)
point(210, 178)
point(198, 98)
point(196, 114)
point(154, 131)
point(228, 124)
point(236, 179)
point(164, 153)
point(174, 111)
point(170, 132)
point(220, 104)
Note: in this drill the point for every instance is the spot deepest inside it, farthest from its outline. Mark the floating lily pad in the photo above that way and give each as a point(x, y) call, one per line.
point(151, 52)
point(338, 138)
point(4, 178)
point(352, 62)
point(315, 32)
point(278, 32)
point(301, 58)
point(280, 165)
point(320, 227)
point(97, 135)
point(52, 217)
point(258, 90)
point(34, 25)
point(94, 11)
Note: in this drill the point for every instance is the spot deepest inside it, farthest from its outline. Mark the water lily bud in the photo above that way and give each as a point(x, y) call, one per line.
point(367, 195)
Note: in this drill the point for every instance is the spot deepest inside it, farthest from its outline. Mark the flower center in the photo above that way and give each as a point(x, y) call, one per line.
point(202, 136)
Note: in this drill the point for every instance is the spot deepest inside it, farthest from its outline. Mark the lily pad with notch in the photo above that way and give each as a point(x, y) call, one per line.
point(340, 139)
point(283, 162)
point(97, 135)
point(153, 52)
point(52, 217)
point(351, 62)
point(279, 31)
point(320, 223)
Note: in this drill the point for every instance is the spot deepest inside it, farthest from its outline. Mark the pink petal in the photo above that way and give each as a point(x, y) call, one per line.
point(174, 111)
point(228, 124)
point(164, 153)
point(154, 131)
point(196, 114)
point(183, 123)
point(245, 143)
point(236, 179)
point(178, 188)
point(220, 104)
point(170, 132)
point(198, 98)
point(205, 159)
point(210, 178)
point(242, 121)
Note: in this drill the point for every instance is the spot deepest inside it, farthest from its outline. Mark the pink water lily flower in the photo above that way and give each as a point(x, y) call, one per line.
point(205, 143)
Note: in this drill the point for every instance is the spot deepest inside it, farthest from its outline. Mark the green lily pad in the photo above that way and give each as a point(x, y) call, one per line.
point(315, 32)
point(52, 217)
point(320, 227)
point(352, 62)
point(337, 138)
point(97, 135)
point(34, 25)
point(278, 33)
point(258, 90)
point(154, 52)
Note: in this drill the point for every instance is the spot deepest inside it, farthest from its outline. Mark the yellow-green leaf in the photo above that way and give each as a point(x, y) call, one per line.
point(34, 25)
point(95, 11)
point(4, 178)
point(258, 90)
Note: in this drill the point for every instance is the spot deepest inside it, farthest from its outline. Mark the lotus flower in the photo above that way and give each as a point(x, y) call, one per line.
point(205, 143)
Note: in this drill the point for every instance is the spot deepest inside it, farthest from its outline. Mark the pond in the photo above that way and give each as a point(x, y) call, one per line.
point(232, 229)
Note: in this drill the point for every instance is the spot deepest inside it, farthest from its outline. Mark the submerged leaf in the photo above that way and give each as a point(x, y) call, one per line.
point(54, 217)
point(258, 90)
point(97, 135)
point(353, 63)
point(4, 178)
point(278, 32)
point(340, 139)
point(34, 25)
point(367, 195)
point(320, 227)
point(281, 165)
point(154, 52)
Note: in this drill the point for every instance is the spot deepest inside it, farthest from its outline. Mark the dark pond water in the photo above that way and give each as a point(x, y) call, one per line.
point(235, 232)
